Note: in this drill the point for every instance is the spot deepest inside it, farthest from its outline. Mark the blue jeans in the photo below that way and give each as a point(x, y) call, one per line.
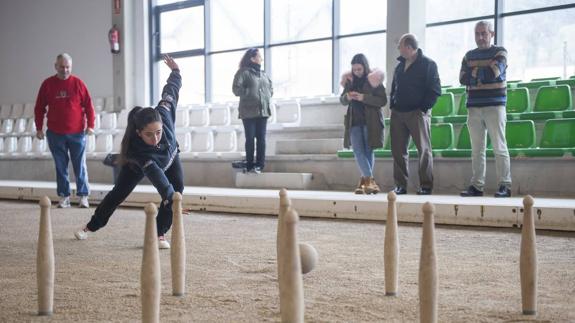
point(364, 156)
point(255, 129)
point(489, 120)
point(75, 144)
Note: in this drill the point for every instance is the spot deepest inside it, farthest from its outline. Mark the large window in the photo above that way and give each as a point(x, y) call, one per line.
point(305, 47)
point(539, 35)
point(237, 24)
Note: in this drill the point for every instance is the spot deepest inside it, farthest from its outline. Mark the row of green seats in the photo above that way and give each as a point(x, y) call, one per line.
point(551, 102)
point(558, 139)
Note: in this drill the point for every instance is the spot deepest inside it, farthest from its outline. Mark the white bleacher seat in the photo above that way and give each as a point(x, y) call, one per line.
point(20, 126)
point(118, 141)
point(220, 115)
point(288, 112)
point(109, 104)
point(98, 104)
point(10, 145)
point(185, 141)
point(182, 117)
point(123, 118)
point(331, 99)
point(31, 126)
point(28, 110)
point(17, 110)
point(202, 141)
point(24, 145)
point(90, 144)
point(104, 143)
point(39, 146)
point(97, 121)
point(5, 111)
point(241, 141)
point(7, 126)
point(108, 121)
point(1, 146)
point(273, 111)
point(225, 141)
point(199, 116)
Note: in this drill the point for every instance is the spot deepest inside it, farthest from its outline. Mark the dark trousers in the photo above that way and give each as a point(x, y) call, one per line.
point(255, 128)
point(127, 180)
point(415, 124)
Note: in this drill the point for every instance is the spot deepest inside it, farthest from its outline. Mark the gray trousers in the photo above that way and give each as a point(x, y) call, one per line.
point(414, 124)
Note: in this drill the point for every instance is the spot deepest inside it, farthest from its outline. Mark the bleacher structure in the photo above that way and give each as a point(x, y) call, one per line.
point(305, 135)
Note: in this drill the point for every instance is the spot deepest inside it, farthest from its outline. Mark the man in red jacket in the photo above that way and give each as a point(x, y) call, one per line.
point(70, 116)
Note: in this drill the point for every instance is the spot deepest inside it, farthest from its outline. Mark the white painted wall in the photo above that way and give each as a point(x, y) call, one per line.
point(33, 32)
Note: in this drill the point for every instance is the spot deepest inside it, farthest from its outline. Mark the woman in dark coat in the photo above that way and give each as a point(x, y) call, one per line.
point(255, 90)
point(364, 94)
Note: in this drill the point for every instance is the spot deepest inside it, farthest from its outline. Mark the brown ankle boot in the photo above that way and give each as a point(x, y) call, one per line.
point(371, 186)
point(360, 189)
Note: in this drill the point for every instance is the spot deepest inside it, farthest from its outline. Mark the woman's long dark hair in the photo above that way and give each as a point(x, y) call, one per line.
point(247, 58)
point(361, 59)
point(138, 119)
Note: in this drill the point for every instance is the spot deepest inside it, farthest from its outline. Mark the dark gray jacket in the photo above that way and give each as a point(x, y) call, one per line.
point(255, 91)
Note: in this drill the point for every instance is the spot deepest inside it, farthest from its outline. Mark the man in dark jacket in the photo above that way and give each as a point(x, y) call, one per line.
point(414, 90)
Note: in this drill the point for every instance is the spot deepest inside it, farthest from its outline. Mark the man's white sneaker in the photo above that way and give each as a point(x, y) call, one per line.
point(163, 243)
point(84, 202)
point(64, 202)
point(81, 234)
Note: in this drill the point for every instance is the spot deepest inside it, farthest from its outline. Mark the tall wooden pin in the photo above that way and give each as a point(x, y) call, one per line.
point(528, 260)
point(428, 268)
point(391, 247)
point(178, 250)
point(285, 204)
point(150, 278)
point(290, 272)
point(45, 260)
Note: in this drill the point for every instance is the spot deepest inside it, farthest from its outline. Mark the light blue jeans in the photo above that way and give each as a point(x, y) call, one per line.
point(60, 145)
point(364, 156)
point(489, 120)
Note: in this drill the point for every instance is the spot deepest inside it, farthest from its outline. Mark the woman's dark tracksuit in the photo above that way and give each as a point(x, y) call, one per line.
point(160, 164)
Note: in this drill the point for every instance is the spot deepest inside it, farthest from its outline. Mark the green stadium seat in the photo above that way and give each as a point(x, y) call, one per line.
point(345, 153)
point(520, 137)
point(557, 140)
point(572, 77)
point(461, 114)
point(569, 114)
point(552, 78)
point(534, 85)
point(550, 102)
point(456, 90)
point(463, 146)
point(443, 107)
point(517, 102)
point(442, 137)
point(570, 82)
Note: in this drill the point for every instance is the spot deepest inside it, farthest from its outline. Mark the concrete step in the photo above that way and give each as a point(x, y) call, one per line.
point(309, 146)
point(298, 181)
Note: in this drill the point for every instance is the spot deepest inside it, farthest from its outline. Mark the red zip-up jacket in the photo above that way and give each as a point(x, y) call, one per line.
point(69, 105)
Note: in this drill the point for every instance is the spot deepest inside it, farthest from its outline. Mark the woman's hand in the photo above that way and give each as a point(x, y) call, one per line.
point(170, 62)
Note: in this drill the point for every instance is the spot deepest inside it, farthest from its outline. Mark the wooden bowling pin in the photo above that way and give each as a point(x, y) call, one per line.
point(428, 268)
point(528, 260)
point(391, 247)
point(285, 204)
point(178, 250)
point(45, 260)
point(150, 278)
point(289, 273)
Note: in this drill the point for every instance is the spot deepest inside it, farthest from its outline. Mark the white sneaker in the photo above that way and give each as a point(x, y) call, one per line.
point(83, 202)
point(163, 243)
point(64, 202)
point(81, 234)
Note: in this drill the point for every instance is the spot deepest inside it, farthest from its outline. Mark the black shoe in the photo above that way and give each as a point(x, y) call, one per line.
point(471, 191)
point(424, 191)
point(399, 190)
point(503, 191)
